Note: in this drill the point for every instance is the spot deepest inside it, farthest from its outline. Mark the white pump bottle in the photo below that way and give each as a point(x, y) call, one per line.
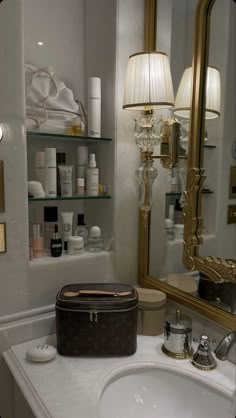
point(92, 177)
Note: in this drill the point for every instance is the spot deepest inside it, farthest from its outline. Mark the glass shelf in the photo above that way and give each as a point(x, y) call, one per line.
point(178, 193)
point(173, 194)
point(80, 139)
point(60, 198)
point(209, 146)
point(207, 191)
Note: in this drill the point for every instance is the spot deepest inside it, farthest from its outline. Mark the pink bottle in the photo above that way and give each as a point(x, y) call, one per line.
point(37, 241)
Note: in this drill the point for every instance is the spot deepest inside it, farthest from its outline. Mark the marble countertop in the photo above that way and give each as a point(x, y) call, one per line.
point(68, 386)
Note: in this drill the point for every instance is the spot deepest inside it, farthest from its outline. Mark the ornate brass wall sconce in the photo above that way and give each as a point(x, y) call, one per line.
point(170, 143)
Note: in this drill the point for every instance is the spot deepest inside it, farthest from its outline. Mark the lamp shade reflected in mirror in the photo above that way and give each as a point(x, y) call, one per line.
point(213, 94)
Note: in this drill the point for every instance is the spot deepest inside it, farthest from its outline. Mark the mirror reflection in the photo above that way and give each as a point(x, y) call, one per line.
point(167, 220)
point(219, 159)
point(219, 232)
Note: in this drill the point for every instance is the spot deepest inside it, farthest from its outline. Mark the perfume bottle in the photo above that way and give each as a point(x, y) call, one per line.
point(95, 240)
point(81, 229)
point(56, 243)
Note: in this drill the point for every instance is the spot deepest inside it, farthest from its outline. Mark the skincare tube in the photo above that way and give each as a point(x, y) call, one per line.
point(65, 172)
point(50, 172)
point(67, 220)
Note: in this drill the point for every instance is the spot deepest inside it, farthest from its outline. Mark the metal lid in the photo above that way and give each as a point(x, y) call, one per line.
point(149, 298)
point(178, 321)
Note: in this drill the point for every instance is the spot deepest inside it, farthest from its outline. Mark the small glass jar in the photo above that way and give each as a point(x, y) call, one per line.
point(95, 240)
point(75, 245)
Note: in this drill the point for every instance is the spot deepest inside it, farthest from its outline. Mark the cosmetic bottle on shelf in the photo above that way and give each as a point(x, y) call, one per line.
point(50, 219)
point(50, 172)
point(56, 243)
point(94, 106)
point(169, 227)
point(37, 241)
point(81, 229)
point(82, 161)
point(61, 160)
point(80, 186)
point(40, 167)
point(178, 213)
point(95, 240)
point(92, 177)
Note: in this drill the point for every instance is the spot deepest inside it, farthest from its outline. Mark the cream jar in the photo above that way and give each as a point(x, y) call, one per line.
point(75, 245)
point(151, 311)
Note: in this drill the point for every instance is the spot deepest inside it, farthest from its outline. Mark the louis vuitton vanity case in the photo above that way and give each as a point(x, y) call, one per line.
point(96, 319)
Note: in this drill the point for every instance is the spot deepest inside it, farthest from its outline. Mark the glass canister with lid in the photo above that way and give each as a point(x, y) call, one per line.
point(178, 336)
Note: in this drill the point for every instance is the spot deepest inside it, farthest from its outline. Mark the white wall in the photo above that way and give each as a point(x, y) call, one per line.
point(13, 264)
point(25, 287)
point(60, 26)
point(130, 39)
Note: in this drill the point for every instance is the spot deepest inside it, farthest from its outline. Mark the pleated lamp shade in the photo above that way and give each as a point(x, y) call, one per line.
point(148, 82)
point(213, 94)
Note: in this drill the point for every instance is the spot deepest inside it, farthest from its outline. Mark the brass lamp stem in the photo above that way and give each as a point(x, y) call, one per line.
point(150, 25)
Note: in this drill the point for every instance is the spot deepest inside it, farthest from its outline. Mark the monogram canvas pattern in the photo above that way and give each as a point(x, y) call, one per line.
point(82, 333)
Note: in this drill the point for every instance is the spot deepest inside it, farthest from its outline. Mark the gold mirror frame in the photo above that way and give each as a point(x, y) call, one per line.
point(215, 268)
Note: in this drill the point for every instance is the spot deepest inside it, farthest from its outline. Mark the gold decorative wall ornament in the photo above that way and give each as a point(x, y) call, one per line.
point(215, 268)
point(169, 143)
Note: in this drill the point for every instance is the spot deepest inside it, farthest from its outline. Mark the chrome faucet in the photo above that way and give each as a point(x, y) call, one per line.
point(223, 348)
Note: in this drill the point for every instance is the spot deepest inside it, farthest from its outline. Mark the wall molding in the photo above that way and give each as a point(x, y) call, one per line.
point(35, 403)
point(25, 314)
point(26, 325)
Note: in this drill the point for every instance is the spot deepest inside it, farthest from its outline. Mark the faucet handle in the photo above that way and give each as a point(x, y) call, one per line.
point(203, 358)
point(225, 345)
point(198, 340)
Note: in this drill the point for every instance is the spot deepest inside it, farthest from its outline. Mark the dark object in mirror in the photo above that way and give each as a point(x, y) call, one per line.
point(213, 292)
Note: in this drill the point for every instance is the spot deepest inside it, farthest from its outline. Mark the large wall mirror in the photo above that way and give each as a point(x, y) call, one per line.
point(209, 232)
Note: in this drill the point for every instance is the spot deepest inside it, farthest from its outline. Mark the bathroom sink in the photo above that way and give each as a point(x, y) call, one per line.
point(151, 391)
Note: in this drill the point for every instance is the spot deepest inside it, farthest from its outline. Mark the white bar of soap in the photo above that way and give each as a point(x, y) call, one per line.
point(41, 352)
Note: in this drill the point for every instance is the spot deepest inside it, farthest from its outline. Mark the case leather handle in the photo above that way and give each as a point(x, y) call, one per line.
point(95, 293)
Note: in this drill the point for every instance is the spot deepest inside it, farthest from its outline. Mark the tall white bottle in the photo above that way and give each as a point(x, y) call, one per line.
point(82, 161)
point(50, 172)
point(94, 106)
point(92, 177)
point(40, 167)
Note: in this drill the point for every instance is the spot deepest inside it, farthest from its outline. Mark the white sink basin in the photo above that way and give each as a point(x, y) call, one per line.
point(152, 391)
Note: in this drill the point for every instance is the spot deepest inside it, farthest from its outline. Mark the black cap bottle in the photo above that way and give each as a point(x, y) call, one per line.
point(81, 228)
point(56, 243)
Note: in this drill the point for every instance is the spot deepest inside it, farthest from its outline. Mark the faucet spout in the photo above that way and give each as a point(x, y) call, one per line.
point(223, 348)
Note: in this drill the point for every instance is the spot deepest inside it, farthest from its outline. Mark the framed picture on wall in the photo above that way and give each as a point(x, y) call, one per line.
point(2, 200)
point(3, 245)
point(232, 188)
